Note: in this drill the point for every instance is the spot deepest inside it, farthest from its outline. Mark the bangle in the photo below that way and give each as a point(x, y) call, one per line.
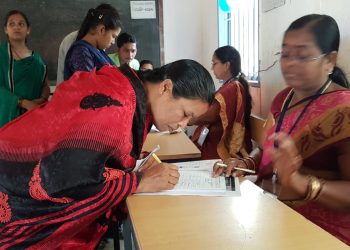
point(19, 103)
point(314, 188)
point(251, 159)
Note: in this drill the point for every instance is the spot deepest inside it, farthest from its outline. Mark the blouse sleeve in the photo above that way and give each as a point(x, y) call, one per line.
point(80, 59)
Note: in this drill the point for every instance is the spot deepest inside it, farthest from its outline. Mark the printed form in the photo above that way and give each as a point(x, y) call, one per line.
point(195, 179)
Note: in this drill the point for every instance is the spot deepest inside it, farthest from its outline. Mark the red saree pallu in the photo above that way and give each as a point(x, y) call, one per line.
point(325, 123)
point(227, 136)
point(67, 164)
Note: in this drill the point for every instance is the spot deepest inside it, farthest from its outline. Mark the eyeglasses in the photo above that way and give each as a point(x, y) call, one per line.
point(301, 59)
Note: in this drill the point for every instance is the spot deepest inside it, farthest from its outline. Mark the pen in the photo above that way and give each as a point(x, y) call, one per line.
point(156, 158)
point(237, 168)
point(147, 157)
point(245, 170)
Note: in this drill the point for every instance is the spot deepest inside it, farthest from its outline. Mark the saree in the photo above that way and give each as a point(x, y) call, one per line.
point(325, 123)
point(62, 182)
point(227, 136)
point(82, 56)
point(19, 79)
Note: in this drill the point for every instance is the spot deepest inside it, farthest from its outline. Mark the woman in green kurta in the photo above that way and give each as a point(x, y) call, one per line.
point(23, 84)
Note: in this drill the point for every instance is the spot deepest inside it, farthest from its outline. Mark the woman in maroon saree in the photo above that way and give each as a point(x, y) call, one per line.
point(64, 175)
point(310, 167)
point(228, 117)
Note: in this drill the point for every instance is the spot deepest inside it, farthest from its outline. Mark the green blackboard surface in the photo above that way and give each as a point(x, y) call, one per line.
point(52, 20)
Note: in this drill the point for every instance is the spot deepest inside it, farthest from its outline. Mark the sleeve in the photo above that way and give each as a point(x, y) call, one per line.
point(66, 177)
point(80, 59)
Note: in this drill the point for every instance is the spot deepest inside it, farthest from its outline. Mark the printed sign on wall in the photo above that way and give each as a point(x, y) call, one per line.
point(143, 9)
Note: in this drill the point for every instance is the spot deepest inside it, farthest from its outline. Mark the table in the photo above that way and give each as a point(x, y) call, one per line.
point(172, 146)
point(254, 220)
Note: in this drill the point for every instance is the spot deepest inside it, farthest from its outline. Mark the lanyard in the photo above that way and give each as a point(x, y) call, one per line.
point(285, 106)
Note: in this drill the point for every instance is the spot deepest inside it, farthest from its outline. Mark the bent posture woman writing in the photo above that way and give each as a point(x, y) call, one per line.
point(60, 186)
point(311, 165)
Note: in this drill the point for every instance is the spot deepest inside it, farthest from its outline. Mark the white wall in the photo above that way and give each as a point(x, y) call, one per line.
point(190, 30)
point(272, 26)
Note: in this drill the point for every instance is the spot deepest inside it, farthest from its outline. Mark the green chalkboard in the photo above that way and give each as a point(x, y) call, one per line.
point(52, 20)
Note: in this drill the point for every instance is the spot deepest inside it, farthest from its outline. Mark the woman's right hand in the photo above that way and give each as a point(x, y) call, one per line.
point(160, 177)
point(230, 169)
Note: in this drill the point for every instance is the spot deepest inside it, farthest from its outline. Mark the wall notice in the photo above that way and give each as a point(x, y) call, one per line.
point(143, 9)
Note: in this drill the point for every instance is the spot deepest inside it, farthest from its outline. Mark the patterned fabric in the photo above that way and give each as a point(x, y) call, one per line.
point(64, 175)
point(82, 56)
point(325, 123)
point(18, 79)
point(227, 136)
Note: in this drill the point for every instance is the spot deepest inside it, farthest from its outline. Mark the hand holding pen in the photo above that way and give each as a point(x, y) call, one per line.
point(231, 167)
point(156, 175)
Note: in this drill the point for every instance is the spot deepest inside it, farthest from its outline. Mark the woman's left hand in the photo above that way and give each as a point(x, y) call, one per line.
point(286, 160)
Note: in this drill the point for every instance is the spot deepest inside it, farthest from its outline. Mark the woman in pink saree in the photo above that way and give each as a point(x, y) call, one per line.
point(307, 151)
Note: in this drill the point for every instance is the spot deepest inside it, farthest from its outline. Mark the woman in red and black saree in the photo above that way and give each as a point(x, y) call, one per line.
point(306, 155)
point(223, 131)
point(67, 165)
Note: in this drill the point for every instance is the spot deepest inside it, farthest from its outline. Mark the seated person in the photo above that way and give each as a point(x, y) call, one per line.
point(126, 51)
point(228, 117)
point(306, 155)
point(146, 65)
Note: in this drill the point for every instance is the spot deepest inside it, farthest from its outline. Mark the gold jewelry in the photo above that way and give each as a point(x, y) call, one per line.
point(314, 188)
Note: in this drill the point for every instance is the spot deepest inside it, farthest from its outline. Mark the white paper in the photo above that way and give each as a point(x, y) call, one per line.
point(143, 9)
point(195, 179)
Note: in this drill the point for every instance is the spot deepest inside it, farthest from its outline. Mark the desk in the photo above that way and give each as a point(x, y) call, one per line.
point(172, 146)
point(252, 221)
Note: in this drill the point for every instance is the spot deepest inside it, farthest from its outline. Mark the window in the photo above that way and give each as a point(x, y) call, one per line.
point(238, 27)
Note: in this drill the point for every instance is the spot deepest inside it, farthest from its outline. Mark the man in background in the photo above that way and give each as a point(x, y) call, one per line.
point(126, 51)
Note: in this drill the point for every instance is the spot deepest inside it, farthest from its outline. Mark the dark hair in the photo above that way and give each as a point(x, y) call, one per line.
point(103, 14)
point(146, 62)
point(327, 37)
point(190, 79)
point(15, 12)
point(125, 38)
point(230, 54)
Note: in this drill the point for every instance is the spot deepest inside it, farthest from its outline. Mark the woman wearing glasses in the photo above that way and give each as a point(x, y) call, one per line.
point(223, 131)
point(307, 151)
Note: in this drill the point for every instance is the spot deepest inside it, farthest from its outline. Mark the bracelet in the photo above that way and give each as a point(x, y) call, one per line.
point(314, 188)
point(19, 103)
point(245, 163)
point(251, 159)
